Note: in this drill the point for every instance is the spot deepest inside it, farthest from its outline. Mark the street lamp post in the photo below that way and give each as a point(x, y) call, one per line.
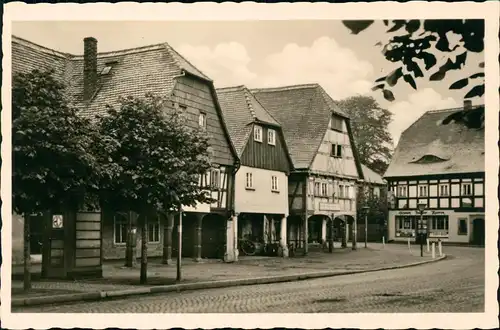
point(179, 239)
point(421, 209)
point(365, 211)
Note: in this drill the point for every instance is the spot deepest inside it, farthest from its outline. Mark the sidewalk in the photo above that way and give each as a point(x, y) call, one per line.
point(248, 270)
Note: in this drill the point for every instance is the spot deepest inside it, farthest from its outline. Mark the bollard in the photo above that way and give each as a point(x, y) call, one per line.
point(428, 250)
point(433, 250)
point(409, 245)
point(440, 248)
point(383, 241)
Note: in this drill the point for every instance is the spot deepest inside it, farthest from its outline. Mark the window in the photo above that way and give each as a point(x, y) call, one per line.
point(405, 222)
point(257, 133)
point(466, 189)
point(324, 189)
point(120, 229)
point(337, 123)
point(402, 191)
point(422, 191)
point(106, 70)
point(317, 189)
point(336, 150)
point(202, 120)
point(215, 178)
point(341, 191)
point(249, 180)
point(274, 183)
point(462, 226)
point(438, 222)
point(443, 190)
point(271, 137)
point(154, 230)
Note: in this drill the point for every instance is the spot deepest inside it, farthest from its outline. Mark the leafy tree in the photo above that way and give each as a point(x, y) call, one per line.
point(379, 166)
point(155, 160)
point(370, 129)
point(377, 206)
point(53, 169)
point(418, 44)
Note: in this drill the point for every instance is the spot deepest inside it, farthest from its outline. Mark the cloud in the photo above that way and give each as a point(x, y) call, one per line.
point(336, 68)
point(226, 63)
point(407, 112)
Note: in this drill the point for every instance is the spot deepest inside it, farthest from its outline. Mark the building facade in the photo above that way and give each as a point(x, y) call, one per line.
point(439, 163)
point(261, 187)
point(95, 80)
point(326, 170)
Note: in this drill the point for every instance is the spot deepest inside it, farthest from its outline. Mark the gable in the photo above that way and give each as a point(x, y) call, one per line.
point(263, 154)
point(197, 97)
point(342, 162)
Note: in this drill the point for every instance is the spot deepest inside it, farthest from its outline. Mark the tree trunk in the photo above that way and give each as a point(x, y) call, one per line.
point(144, 251)
point(167, 239)
point(27, 254)
point(130, 242)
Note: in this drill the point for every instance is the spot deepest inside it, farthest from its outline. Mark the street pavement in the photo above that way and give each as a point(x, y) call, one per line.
point(116, 277)
point(455, 284)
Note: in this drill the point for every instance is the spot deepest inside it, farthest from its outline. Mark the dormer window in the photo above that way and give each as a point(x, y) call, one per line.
point(427, 159)
point(271, 137)
point(257, 133)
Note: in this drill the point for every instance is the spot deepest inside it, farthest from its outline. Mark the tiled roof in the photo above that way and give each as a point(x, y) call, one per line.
point(304, 113)
point(133, 72)
point(429, 147)
point(371, 176)
point(241, 109)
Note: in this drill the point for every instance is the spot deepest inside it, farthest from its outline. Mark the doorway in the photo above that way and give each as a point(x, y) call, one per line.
point(478, 232)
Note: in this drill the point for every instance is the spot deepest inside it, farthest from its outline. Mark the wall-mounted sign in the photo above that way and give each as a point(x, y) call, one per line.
point(57, 221)
point(333, 207)
point(416, 212)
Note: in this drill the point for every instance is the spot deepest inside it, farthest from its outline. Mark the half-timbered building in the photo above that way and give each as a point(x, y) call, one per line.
point(261, 184)
point(326, 169)
point(94, 80)
point(439, 163)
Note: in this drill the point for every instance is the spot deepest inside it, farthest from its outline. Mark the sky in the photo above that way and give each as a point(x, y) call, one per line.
point(269, 54)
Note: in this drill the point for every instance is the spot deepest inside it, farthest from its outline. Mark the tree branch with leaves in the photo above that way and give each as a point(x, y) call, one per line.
point(53, 169)
point(416, 45)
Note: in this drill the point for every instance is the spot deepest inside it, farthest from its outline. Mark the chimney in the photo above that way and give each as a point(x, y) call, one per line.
point(467, 105)
point(89, 67)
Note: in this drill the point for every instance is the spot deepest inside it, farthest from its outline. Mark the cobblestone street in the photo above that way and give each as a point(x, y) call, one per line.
point(455, 284)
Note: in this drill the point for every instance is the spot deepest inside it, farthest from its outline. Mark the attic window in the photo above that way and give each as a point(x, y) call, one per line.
point(428, 159)
point(106, 70)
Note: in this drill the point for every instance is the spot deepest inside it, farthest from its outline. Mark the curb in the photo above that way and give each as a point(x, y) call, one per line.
point(102, 295)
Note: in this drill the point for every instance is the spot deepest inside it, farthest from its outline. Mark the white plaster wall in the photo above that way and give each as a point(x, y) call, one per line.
point(261, 199)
